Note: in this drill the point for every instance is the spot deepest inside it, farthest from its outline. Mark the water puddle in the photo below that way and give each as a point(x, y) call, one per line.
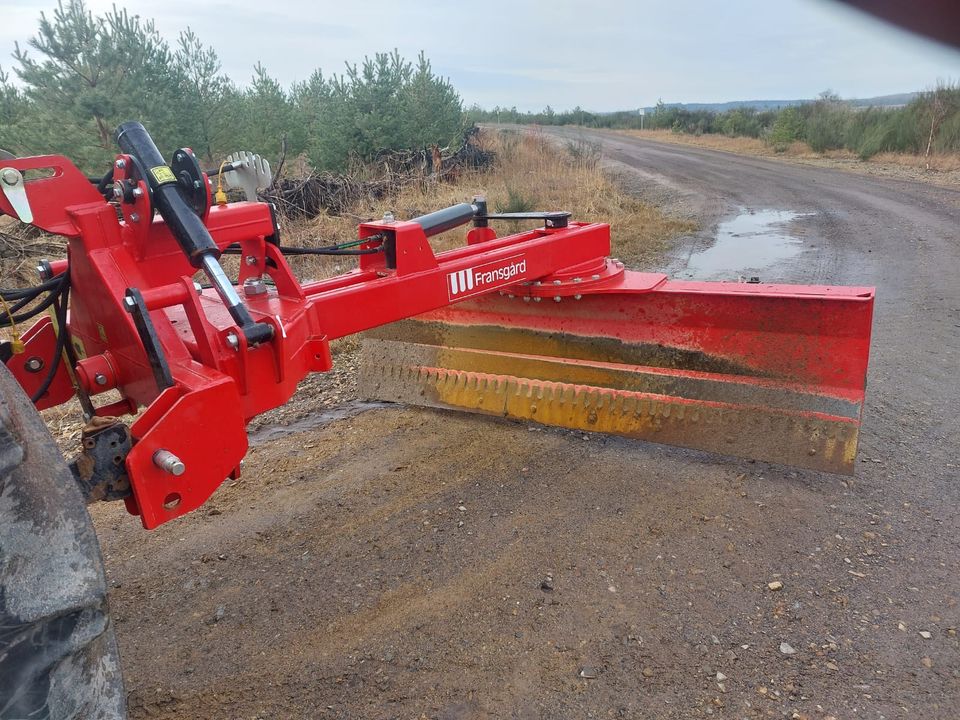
point(314, 421)
point(746, 245)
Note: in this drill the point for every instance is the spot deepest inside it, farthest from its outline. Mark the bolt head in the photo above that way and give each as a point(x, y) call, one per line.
point(33, 365)
point(557, 298)
point(11, 176)
point(129, 304)
point(100, 379)
point(250, 260)
point(138, 192)
point(233, 341)
point(120, 164)
point(135, 217)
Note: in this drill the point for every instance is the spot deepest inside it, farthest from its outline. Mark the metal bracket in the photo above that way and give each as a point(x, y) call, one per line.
point(134, 304)
point(100, 468)
point(11, 180)
point(550, 219)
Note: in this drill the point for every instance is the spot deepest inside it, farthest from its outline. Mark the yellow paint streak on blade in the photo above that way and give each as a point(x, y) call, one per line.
point(728, 415)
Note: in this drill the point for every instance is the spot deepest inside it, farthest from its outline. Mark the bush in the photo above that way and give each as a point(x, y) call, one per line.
point(517, 202)
point(584, 152)
point(786, 129)
point(384, 104)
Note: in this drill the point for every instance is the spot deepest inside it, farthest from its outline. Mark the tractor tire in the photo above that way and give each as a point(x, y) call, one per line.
point(58, 653)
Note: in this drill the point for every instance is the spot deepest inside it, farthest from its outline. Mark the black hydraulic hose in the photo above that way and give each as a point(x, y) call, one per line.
point(5, 320)
point(102, 183)
point(20, 304)
point(17, 293)
point(61, 310)
point(330, 251)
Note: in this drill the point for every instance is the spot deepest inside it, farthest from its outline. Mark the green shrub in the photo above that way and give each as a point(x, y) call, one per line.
point(786, 129)
point(517, 202)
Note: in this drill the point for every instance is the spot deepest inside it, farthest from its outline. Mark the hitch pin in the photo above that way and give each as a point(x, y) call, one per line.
point(168, 462)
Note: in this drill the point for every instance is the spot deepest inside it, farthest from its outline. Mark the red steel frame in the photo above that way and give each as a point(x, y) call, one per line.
point(220, 383)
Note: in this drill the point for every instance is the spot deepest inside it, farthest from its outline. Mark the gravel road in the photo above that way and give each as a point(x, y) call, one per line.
point(407, 563)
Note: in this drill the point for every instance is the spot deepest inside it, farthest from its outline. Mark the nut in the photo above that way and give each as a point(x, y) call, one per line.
point(254, 286)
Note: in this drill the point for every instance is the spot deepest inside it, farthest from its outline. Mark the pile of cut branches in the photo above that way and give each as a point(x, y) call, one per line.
point(322, 192)
point(389, 172)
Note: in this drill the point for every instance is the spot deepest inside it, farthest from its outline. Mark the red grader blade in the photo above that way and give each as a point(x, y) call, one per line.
point(769, 372)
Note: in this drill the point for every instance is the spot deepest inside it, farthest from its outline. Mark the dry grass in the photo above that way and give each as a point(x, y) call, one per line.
point(742, 145)
point(21, 246)
point(938, 163)
point(937, 169)
point(529, 169)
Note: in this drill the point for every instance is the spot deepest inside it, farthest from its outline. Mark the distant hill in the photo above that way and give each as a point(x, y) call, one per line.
point(879, 101)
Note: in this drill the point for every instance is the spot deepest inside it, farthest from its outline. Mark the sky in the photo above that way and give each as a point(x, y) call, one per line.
point(599, 54)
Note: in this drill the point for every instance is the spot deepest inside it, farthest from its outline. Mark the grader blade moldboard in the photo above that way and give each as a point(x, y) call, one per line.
point(769, 372)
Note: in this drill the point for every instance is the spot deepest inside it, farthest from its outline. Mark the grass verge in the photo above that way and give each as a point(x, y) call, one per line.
point(940, 169)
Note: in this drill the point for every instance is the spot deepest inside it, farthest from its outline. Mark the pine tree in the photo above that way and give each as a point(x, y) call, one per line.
point(13, 109)
point(203, 95)
point(93, 73)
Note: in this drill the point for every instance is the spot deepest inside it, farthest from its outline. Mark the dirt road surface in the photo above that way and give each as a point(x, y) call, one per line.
point(407, 563)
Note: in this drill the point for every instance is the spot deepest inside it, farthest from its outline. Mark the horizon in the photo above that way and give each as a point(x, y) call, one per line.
point(742, 102)
point(600, 56)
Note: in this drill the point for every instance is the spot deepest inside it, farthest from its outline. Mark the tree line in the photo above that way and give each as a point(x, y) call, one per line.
point(83, 74)
point(930, 123)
